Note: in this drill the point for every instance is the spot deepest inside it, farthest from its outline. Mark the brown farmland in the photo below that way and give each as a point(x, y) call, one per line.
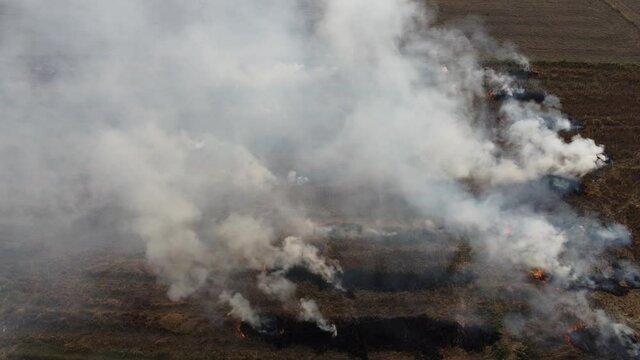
point(587, 30)
point(109, 306)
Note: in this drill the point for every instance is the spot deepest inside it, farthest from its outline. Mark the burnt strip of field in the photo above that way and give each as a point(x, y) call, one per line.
point(380, 280)
point(358, 337)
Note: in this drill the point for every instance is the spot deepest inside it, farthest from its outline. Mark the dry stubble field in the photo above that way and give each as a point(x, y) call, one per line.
point(108, 305)
point(572, 30)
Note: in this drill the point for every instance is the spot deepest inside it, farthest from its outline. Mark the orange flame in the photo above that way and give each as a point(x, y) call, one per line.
point(238, 327)
point(539, 275)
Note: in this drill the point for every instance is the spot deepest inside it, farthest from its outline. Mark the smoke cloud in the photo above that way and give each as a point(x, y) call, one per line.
point(190, 128)
point(310, 311)
point(240, 308)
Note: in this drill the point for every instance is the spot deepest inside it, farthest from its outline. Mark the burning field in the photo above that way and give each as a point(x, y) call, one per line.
point(309, 179)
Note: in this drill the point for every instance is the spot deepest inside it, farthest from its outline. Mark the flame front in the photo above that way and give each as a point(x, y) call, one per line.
point(238, 327)
point(539, 275)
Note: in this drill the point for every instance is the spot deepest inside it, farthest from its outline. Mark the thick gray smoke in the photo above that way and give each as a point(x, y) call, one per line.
point(240, 308)
point(190, 126)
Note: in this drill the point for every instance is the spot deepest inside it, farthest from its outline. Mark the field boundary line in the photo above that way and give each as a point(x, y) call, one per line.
point(626, 12)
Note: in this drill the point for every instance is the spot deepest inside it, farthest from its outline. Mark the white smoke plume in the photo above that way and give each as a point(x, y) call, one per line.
point(240, 308)
point(309, 312)
point(178, 124)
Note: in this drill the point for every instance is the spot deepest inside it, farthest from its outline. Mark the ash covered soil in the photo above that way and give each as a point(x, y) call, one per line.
point(106, 305)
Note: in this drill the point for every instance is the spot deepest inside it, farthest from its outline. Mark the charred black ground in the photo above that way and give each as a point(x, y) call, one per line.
point(610, 346)
point(358, 337)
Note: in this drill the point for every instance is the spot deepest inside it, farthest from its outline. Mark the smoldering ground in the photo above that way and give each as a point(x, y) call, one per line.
point(193, 128)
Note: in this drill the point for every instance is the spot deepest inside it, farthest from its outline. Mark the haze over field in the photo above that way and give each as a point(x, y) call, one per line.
point(189, 128)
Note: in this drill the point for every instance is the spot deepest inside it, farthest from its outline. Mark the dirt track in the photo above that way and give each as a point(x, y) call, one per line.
point(628, 9)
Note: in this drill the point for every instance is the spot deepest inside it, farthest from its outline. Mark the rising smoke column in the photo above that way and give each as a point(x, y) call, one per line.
point(181, 124)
